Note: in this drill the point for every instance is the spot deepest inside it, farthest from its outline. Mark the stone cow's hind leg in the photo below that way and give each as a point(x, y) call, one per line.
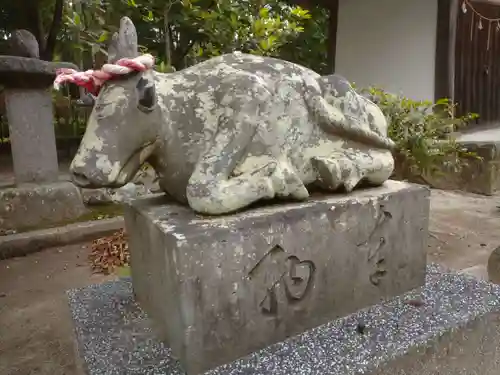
point(351, 166)
point(328, 172)
point(210, 189)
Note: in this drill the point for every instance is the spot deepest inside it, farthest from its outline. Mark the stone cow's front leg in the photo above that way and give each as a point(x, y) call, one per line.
point(210, 189)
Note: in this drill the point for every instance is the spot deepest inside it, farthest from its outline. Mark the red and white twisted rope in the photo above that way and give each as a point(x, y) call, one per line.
point(92, 80)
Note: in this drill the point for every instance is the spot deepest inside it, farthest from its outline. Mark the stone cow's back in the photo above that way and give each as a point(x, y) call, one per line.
point(200, 84)
point(271, 70)
point(296, 114)
point(300, 92)
point(190, 98)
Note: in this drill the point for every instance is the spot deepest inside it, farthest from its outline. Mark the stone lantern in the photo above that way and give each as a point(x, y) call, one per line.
point(39, 197)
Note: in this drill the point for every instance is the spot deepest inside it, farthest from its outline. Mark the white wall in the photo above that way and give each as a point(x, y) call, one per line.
point(388, 43)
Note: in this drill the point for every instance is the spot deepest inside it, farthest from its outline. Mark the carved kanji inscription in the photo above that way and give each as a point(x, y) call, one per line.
point(282, 272)
point(375, 244)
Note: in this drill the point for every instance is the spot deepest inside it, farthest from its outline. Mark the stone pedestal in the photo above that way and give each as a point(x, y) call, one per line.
point(450, 326)
point(35, 206)
point(218, 289)
point(481, 176)
point(33, 141)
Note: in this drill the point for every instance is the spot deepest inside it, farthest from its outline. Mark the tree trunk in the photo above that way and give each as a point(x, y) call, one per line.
point(168, 37)
point(33, 22)
point(332, 36)
point(55, 27)
point(78, 7)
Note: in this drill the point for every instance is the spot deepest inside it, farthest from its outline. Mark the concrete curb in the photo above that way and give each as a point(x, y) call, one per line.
point(21, 244)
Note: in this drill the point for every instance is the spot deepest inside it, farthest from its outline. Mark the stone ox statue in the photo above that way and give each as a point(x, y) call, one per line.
point(230, 131)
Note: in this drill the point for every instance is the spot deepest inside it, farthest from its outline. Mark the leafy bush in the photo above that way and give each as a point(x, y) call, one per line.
point(310, 47)
point(424, 135)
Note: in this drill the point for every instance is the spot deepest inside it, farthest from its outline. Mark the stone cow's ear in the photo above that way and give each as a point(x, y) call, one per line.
point(147, 94)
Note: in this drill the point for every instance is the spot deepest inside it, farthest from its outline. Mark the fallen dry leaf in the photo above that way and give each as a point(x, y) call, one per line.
point(109, 253)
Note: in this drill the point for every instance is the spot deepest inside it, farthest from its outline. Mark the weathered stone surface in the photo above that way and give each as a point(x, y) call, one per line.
point(24, 72)
point(232, 131)
point(31, 206)
point(24, 44)
point(120, 195)
point(31, 130)
point(144, 183)
point(221, 288)
point(454, 331)
point(481, 176)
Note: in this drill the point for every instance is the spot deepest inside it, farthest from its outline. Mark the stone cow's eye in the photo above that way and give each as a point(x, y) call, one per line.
point(147, 95)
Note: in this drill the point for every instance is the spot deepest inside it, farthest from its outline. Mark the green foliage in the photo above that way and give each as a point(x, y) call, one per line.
point(310, 47)
point(239, 25)
point(423, 133)
point(39, 17)
point(183, 32)
point(89, 25)
point(178, 32)
point(162, 67)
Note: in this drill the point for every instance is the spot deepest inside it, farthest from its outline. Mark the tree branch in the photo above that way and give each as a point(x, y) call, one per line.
point(179, 63)
point(171, 40)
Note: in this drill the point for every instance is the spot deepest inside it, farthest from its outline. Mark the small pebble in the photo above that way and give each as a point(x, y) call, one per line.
point(108, 321)
point(361, 328)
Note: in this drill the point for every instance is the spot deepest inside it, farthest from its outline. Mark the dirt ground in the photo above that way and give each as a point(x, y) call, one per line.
point(36, 335)
point(464, 230)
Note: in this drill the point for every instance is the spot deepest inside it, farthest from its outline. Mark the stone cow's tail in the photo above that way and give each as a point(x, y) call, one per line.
point(333, 121)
